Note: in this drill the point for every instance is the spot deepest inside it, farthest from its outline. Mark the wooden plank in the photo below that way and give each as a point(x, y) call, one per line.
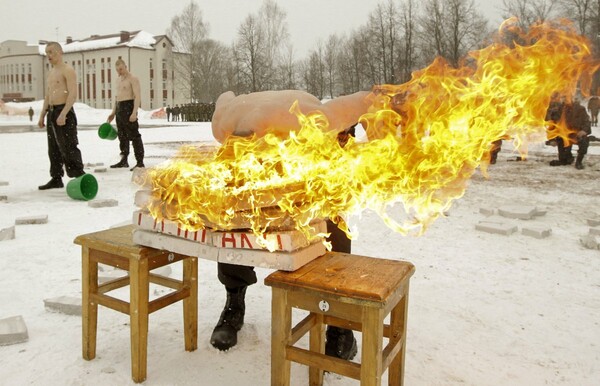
point(310, 302)
point(372, 343)
point(168, 299)
point(166, 281)
point(112, 303)
point(89, 307)
point(113, 284)
point(398, 324)
point(139, 292)
point(317, 345)
point(190, 304)
point(327, 363)
point(302, 328)
point(281, 327)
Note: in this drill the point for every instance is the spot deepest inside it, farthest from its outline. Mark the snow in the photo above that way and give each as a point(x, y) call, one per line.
point(485, 309)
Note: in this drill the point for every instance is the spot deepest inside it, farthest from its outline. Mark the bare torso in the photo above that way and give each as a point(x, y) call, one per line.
point(57, 85)
point(125, 88)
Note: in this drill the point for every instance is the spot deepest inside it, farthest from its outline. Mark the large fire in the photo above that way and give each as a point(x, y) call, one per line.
point(426, 138)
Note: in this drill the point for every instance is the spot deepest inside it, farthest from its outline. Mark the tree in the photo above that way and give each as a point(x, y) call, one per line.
point(211, 70)
point(528, 11)
point(187, 32)
point(407, 55)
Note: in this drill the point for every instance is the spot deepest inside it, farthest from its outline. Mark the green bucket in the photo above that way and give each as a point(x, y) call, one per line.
point(83, 187)
point(107, 131)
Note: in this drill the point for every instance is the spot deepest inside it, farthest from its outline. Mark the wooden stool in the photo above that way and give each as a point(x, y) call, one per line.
point(114, 247)
point(348, 291)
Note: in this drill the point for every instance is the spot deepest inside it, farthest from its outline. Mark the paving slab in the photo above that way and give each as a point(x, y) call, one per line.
point(39, 219)
point(7, 233)
point(64, 304)
point(3, 198)
point(13, 330)
point(520, 212)
point(593, 222)
point(590, 242)
point(537, 231)
point(100, 170)
point(487, 211)
point(3, 183)
point(105, 203)
point(496, 227)
point(595, 231)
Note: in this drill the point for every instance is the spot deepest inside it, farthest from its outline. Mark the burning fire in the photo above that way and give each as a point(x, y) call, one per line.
point(426, 138)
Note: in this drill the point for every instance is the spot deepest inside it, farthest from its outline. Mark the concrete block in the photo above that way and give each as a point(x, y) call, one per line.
point(99, 163)
point(139, 177)
point(3, 183)
point(64, 304)
point(518, 212)
point(590, 242)
point(286, 261)
point(540, 212)
point(41, 219)
point(100, 170)
point(142, 198)
point(539, 232)
point(496, 227)
point(487, 211)
point(174, 244)
point(3, 198)
point(7, 233)
point(13, 330)
point(106, 203)
point(595, 231)
point(593, 222)
point(145, 221)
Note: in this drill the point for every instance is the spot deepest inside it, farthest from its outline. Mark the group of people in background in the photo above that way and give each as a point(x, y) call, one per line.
point(190, 112)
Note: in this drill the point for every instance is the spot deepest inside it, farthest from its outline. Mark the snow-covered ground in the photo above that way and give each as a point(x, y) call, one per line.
point(485, 309)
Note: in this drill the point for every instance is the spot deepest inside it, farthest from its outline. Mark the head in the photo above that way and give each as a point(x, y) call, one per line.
point(121, 67)
point(54, 53)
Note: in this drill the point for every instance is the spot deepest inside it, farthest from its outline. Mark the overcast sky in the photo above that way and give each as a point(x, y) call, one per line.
point(308, 20)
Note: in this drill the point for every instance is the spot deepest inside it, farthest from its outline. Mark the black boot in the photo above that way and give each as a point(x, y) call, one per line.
point(52, 184)
point(224, 335)
point(340, 343)
point(579, 162)
point(122, 163)
point(138, 165)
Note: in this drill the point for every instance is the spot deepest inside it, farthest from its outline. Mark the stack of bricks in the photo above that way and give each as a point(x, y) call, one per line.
point(291, 249)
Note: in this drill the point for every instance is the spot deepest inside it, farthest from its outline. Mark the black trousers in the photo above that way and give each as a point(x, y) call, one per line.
point(62, 144)
point(233, 276)
point(565, 152)
point(129, 131)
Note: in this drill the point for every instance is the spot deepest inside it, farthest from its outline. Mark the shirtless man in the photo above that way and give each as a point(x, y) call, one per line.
point(60, 117)
point(126, 108)
point(268, 112)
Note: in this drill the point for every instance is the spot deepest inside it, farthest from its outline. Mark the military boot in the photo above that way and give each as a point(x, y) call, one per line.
point(122, 163)
point(340, 343)
point(224, 336)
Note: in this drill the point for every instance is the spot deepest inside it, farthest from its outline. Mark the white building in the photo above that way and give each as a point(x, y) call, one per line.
point(23, 68)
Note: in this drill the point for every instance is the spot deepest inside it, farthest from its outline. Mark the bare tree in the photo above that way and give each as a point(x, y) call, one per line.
point(330, 56)
point(250, 54)
point(383, 29)
point(581, 12)
point(212, 68)
point(528, 11)
point(187, 31)
point(407, 55)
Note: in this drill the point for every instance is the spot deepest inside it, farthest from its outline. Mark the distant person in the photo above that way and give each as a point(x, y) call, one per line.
point(61, 121)
point(126, 110)
point(577, 121)
point(169, 111)
point(268, 112)
point(30, 112)
point(594, 108)
point(176, 111)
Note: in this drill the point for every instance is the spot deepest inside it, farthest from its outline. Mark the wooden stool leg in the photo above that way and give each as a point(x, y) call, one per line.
point(89, 308)
point(138, 312)
point(317, 344)
point(190, 304)
point(281, 334)
point(398, 320)
point(372, 344)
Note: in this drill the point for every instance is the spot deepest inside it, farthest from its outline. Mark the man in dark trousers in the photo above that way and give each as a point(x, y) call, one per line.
point(126, 110)
point(60, 117)
point(268, 112)
point(574, 117)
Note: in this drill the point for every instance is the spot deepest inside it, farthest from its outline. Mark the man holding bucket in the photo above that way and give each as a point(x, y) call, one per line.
point(125, 109)
point(61, 120)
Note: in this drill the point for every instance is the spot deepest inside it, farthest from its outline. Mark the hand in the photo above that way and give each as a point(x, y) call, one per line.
point(61, 120)
point(133, 117)
point(581, 134)
point(110, 117)
point(41, 123)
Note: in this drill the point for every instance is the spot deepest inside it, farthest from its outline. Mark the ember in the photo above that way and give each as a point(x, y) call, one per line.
point(426, 138)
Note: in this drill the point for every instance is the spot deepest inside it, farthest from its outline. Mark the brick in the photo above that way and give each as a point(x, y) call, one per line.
point(487, 211)
point(286, 261)
point(41, 219)
point(539, 232)
point(64, 304)
point(7, 233)
point(99, 163)
point(3, 183)
point(595, 231)
point(100, 170)
point(593, 222)
point(496, 227)
point(13, 330)
point(106, 203)
point(590, 242)
point(518, 212)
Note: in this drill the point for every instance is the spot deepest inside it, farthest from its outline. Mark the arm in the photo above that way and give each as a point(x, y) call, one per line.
point(135, 88)
point(71, 84)
point(112, 114)
point(345, 111)
point(220, 132)
point(43, 112)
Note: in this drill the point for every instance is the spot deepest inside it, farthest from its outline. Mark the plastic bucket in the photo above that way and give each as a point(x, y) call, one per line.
point(83, 187)
point(107, 131)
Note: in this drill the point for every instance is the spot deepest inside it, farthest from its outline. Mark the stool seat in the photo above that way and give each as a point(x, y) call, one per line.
point(115, 247)
point(347, 291)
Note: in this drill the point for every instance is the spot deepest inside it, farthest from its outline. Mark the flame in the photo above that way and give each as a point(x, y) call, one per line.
point(426, 138)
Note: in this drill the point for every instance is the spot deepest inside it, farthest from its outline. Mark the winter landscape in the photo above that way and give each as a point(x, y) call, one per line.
point(485, 308)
